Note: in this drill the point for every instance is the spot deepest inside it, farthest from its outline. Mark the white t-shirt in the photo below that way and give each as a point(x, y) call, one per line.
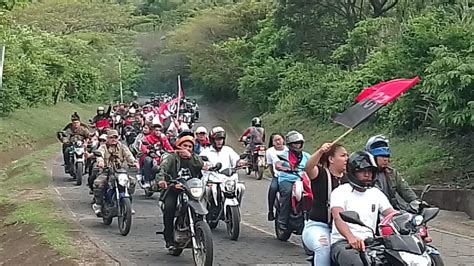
point(272, 157)
point(367, 204)
point(226, 156)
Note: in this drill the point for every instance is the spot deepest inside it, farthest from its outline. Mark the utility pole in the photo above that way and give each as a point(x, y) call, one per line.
point(120, 77)
point(2, 60)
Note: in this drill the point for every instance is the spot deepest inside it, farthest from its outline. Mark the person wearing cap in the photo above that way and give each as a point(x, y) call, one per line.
point(387, 179)
point(114, 155)
point(182, 158)
point(158, 141)
point(201, 140)
point(72, 132)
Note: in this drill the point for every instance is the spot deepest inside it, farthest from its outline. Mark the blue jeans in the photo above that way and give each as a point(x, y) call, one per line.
point(316, 237)
point(272, 192)
point(286, 190)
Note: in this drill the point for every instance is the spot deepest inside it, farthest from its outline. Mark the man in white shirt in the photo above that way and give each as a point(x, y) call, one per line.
point(358, 195)
point(218, 152)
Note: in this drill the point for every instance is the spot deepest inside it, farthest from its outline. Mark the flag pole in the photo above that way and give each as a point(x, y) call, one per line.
point(179, 98)
point(342, 136)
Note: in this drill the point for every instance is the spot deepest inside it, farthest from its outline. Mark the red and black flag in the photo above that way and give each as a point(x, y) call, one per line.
point(372, 99)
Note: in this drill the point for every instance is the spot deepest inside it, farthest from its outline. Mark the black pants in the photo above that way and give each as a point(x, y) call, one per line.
point(169, 212)
point(272, 191)
point(340, 255)
point(149, 170)
point(286, 190)
point(66, 155)
point(92, 176)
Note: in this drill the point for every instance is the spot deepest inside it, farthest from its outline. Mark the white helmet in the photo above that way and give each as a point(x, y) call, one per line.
point(132, 111)
point(201, 130)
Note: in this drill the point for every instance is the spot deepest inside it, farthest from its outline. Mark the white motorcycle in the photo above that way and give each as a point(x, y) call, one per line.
point(224, 194)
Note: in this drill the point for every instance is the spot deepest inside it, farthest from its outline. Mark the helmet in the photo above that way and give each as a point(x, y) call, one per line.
point(216, 133)
point(294, 137)
point(378, 146)
point(357, 161)
point(100, 110)
point(132, 111)
point(185, 135)
point(256, 122)
point(201, 130)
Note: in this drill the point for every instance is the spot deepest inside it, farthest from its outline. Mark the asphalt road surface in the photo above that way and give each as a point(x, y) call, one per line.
point(257, 244)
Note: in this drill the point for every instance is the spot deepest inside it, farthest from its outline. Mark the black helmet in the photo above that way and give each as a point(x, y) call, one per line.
point(256, 122)
point(75, 117)
point(357, 161)
point(216, 133)
point(294, 137)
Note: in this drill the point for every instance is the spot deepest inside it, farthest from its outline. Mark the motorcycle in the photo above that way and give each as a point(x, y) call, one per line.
point(130, 134)
point(256, 161)
point(190, 229)
point(403, 246)
point(301, 204)
point(157, 154)
point(117, 200)
point(224, 194)
point(188, 119)
point(77, 160)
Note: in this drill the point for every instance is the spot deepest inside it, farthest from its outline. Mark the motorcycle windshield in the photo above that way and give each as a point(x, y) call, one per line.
point(405, 243)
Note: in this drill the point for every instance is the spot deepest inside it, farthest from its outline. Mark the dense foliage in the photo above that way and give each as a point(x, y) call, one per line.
point(67, 50)
point(313, 57)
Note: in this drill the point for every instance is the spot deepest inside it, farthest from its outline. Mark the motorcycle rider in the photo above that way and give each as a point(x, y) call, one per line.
point(253, 136)
point(329, 161)
point(202, 141)
point(183, 157)
point(101, 114)
point(71, 132)
point(95, 171)
point(358, 195)
point(218, 152)
point(275, 147)
point(114, 155)
point(155, 138)
point(141, 137)
point(387, 179)
point(290, 171)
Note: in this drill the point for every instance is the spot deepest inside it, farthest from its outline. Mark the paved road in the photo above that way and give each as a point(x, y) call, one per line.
point(256, 245)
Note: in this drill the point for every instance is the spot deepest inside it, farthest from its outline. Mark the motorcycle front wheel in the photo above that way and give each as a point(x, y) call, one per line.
point(125, 216)
point(233, 222)
point(437, 260)
point(203, 254)
point(79, 173)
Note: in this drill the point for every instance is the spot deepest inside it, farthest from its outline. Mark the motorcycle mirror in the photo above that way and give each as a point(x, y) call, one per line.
point(243, 156)
point(351, 217)
point(218, 167)
point(282, 158)
point(425, 190)
point(204, 158)
point(429, 213)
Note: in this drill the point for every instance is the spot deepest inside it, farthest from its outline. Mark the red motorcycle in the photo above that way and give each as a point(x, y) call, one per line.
point(256, 161)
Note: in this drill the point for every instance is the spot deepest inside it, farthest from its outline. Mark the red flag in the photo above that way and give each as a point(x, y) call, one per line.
point(167, 109)
point(385, 92)
point(372, 99)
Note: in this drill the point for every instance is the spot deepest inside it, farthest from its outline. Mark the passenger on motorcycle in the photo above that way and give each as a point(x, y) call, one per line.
point(253, 136)
point(326, 169)
point(95, 171)
point(276, 147)
point(169, 168)
point(202, 141)
point(359, 196)
point(387, 179)
point(72, 131)
point(113, 155)
point(155, 139)
point(290, 171)
point(141, 137)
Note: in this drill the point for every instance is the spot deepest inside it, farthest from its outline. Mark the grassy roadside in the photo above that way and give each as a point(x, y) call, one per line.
point(420, 157)
point(30, 127)
point(24, 187)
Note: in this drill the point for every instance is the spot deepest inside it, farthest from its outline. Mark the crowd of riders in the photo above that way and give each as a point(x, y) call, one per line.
point(334, 181)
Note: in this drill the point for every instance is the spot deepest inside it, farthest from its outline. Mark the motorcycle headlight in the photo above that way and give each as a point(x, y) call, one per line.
point(229, 185)
point(79, 150)
point(417, 220)
point(123, 179)
point(196, 192)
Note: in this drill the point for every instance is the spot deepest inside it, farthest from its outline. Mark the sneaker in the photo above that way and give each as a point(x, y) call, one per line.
point(271, 216)
point(97, 209)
